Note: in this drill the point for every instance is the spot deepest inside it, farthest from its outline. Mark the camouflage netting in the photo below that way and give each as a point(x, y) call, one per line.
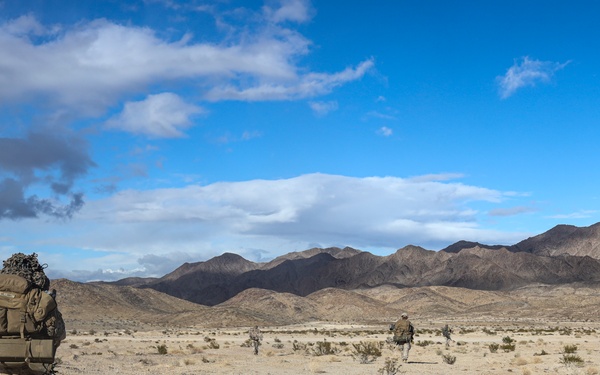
point(28, 267)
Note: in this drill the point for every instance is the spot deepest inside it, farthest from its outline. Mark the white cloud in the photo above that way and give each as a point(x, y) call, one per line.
point(306, 86)
point(511, 211)
point(323, 108)
point(163, 115)
point(385, 131)
point(273, 217)
point(88, 67)
point(527, 72)
point(24, 25)
point(289, 10)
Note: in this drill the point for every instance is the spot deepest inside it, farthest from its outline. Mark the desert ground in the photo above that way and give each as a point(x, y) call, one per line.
point(480, 347)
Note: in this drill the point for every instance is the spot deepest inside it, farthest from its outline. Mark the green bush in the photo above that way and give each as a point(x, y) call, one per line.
point(493, 347)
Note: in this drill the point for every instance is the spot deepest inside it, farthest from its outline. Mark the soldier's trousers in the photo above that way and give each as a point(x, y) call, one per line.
point(405, 348)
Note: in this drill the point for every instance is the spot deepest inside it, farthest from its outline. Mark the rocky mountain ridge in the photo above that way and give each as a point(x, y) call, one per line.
point(554, 257)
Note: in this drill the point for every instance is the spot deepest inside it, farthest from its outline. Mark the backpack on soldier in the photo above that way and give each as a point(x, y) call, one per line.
point(31, 327)
point(402, 332)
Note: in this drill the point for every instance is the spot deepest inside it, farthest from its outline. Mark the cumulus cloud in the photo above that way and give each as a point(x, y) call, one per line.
point(527, 72)
point(162, 116)
point(323, 108)
point(41, 159)
point(88, 67)
point(289, 10)
point(313, 208)
point(155, 231)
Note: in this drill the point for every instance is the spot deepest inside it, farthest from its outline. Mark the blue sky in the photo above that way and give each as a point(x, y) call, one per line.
point(139, 135)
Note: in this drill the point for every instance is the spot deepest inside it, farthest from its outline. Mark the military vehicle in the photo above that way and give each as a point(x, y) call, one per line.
point(31, 327)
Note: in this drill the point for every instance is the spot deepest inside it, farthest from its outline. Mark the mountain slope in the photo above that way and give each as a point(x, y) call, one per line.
point(563, 239)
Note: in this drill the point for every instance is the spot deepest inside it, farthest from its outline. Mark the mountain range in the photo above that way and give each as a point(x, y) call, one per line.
point(565, 254)
point(552, 277)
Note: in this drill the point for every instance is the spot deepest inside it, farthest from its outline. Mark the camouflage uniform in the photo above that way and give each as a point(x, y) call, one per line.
point(256, 337)
point(404, 332)
point(446, 331)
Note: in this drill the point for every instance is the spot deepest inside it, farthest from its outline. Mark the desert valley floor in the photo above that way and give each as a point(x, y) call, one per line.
point(539, 348)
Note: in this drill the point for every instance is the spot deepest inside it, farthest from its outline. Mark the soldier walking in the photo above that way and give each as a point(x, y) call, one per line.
point(256, 337)
point(446, 331)
point(404, 332)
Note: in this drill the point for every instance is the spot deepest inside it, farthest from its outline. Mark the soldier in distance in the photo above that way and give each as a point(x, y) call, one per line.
point(446, 331)
point(256, 337)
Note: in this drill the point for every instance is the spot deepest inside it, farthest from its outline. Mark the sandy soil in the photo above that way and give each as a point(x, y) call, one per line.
point(539, 349)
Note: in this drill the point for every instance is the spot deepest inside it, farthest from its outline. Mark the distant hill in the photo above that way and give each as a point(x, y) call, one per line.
point(107, 307)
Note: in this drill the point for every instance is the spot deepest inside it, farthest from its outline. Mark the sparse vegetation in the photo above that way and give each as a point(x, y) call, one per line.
point(296, 346)
point(390, 367)
point(571, 359)
point(569, 349)
point(323, 348)
point(366, 351)
point(162, 349)
point(449, 359)
point(424, 343)
point(494, 347)
point(508, 344)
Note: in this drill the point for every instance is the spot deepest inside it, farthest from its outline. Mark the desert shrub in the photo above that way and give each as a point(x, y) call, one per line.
point(543, 352)
point(162, 349)
point(508, 344)
point(73, 346)
point(278, 345)
point(493, 347)
point(507, 340)
point(571, 359)
point(247, 343)
point(366, 351)
point(323, 348)
point(390, 367)
point(569, 349)
point(213, 345)
point(449, 359)
point(424, 343)
point(565, 331)
point(298, 346)
point(488, 331)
